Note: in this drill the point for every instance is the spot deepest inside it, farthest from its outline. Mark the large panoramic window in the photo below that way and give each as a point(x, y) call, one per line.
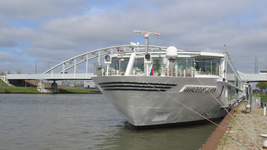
point(230, 74)
point(157, 66)
point(207, 66)
point(118, 64)
point(183, 64)
point(139, 65)
point(231, 94)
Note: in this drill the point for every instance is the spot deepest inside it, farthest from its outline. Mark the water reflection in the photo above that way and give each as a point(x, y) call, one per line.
point(182, 137)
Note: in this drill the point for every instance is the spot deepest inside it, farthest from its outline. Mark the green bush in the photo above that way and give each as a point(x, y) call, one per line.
point(263, 97)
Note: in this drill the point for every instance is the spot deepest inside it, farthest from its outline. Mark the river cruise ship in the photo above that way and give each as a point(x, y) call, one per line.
point(157, 85)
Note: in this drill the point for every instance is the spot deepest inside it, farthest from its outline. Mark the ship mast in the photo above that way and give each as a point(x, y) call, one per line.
point(147, 56)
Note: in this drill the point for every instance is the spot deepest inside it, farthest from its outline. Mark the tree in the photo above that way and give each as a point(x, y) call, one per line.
point(262, 86)
point(8, 72)
point(2, 73)
point(18, 71)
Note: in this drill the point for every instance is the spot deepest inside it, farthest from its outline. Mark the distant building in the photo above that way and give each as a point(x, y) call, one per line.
point(3, 77)
point(89, 83)
point(73, 83)
point(77, 83)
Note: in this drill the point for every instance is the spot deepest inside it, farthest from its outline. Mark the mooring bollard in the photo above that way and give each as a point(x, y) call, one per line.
point(247, 107)
point(264, 141)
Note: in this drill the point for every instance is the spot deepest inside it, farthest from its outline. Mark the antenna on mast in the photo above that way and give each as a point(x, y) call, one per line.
point(146, 37)
point(147, 56)
point(145, 32)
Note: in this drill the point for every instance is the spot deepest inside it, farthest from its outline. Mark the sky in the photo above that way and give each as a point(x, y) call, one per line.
point(44, 33)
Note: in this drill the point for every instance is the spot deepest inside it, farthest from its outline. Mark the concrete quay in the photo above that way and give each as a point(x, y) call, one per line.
point(243, 127)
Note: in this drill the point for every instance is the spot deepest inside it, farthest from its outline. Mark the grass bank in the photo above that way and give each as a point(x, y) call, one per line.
point(33, 90)
point(28, 90)
point(263, 97)
point(4, 88)
point(2, 83)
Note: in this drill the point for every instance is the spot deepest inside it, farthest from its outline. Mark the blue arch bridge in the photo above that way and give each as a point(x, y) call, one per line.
point(59, 71)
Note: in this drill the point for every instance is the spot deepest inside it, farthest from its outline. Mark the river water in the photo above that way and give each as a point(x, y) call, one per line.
point(83, 121)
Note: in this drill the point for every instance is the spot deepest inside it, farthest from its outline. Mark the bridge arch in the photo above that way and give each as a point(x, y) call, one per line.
point(84, 57)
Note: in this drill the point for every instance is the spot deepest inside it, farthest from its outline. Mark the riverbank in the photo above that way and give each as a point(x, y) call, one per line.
point(233, 138)
point(33, 90)
point(2, 83)
point(254, 123)
point(80, 91)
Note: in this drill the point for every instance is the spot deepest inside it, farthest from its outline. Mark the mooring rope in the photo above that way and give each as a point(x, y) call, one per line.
point(200, 114)
point(229, 113)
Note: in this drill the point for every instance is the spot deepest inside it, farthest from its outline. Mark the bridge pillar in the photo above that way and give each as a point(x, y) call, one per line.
point(41, 87)
point(54, 88)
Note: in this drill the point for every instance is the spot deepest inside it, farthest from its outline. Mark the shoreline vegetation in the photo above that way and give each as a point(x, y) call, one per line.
point(33, 90)
point(263, 97)
point(6, 89)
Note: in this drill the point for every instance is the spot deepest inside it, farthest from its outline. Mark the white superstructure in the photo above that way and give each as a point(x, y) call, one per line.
point(168, 85)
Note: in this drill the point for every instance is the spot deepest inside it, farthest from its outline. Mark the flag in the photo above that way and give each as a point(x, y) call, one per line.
point(151, 71)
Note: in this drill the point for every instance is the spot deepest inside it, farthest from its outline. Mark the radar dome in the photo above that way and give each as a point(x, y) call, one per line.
point(171, 53)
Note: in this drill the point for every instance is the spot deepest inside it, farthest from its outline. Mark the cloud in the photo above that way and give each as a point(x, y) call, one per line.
point(8, 42)
point(6, 57)
point(43, 53)
point(64, 28)
point(32, 9)
point(24, 34)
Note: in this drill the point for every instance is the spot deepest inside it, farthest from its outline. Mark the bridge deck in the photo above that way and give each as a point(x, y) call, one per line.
point(80, 76)
point(253, 77)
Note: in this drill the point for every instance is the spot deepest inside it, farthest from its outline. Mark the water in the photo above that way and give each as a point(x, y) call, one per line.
point(83, 121)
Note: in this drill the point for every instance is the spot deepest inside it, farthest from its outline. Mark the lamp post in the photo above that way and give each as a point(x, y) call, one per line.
point(49, 66)
point(36, 66)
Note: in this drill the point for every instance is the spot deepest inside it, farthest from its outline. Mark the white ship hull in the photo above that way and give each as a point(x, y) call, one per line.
point(141, 104)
